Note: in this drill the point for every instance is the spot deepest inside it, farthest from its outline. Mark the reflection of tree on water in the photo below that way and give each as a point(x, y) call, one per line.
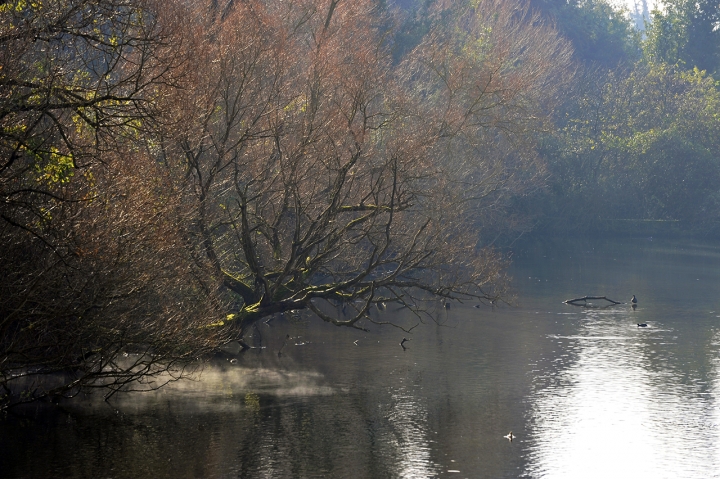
point(309, 437)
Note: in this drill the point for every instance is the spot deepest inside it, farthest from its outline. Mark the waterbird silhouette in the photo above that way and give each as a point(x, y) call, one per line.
point(642, 325)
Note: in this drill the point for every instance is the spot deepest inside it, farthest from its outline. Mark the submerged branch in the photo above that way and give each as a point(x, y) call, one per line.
point(585, 299)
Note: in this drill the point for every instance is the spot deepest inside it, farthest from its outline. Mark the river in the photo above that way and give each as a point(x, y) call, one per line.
point(585, 391)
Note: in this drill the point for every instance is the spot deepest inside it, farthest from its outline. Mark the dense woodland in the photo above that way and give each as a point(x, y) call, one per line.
point(173, 172)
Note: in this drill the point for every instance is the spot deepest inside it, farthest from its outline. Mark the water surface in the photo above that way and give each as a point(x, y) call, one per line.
point(586, 392)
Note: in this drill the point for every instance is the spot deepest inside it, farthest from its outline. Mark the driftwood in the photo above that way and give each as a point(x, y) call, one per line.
point(585, 299)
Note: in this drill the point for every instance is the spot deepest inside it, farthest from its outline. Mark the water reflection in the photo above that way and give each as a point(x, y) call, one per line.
point(409, 440)
point(587, 393)
point(621, 401)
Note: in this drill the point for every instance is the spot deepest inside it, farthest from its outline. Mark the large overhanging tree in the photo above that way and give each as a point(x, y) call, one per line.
point(322, 173)
point(173, 172)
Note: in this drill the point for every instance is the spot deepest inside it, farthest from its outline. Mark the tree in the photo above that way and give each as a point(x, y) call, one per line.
point(98, 287)
point(640, 145)
point(686, 32)
point(323, 177)
point(173, 172)
point(602, 35)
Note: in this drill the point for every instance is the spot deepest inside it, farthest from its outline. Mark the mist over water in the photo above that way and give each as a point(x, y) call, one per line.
point(586, 392)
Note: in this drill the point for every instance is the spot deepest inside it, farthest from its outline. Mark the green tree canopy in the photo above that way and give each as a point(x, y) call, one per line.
point(601, 34)
point(639, 146)
point(686, 32)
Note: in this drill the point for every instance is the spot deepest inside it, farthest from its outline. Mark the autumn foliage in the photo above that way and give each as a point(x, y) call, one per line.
point(201, 166)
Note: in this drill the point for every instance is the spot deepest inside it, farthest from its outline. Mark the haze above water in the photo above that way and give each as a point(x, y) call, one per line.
point(586, 392)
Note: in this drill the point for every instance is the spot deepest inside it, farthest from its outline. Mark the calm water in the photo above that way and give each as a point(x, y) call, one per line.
point(587, 393)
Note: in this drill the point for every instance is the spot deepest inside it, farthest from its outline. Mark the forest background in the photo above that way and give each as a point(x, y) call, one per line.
point(173, 172)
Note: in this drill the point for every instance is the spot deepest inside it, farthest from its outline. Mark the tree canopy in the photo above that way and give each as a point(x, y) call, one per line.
point(686, 32)
point(639, 146)
point(635, 149)
point(173, 172)
point(601, 34)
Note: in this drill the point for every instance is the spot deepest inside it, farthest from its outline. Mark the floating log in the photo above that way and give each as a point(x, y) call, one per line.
point(586, 298)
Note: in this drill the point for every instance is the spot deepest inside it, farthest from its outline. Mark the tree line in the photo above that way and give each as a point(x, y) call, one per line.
point(635, 146)
point(173, 172)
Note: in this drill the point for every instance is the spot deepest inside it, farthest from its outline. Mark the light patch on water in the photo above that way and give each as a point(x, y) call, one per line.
point(589, 338)
point(408, 438)
point(613, 410)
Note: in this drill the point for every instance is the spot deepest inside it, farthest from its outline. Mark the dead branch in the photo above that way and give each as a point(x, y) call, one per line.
point(585, 299)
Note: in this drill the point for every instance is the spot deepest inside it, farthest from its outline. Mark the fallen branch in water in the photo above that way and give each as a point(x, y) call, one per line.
point(584, 299)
